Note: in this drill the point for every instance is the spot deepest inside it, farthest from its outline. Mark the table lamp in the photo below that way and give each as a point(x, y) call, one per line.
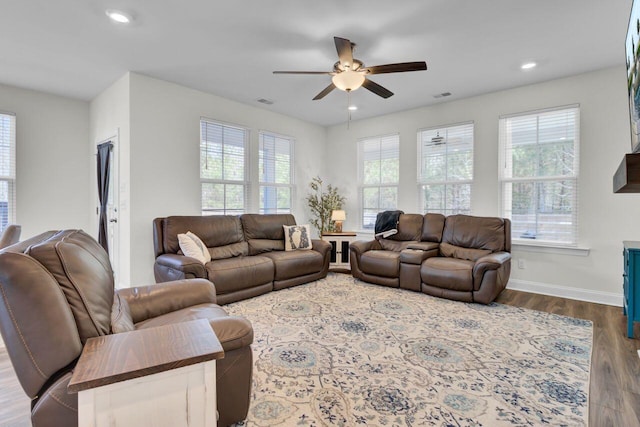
point(338, 217)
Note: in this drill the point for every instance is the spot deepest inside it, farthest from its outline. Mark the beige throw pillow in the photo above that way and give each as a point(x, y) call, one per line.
point(193, 247)
point(297, 237)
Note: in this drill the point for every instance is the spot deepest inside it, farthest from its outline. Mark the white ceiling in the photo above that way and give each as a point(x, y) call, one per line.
point(230, 48)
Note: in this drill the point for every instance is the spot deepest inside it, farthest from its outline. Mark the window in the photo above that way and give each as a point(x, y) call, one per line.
point(379, 171)
point(445, 169)
point(7, 169)
point(223, 168)
point(276, 173)
point(539, 174)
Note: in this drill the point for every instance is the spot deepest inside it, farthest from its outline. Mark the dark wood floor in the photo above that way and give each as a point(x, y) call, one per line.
point(614, 396)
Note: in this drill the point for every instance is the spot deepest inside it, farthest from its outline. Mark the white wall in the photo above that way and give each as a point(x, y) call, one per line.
point(110, 119)
point(51, 159)
point(165, 137)
point(605, 219)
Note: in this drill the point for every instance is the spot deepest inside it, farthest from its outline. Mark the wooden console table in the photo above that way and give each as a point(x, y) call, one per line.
point(339, 250)
point(162, 376)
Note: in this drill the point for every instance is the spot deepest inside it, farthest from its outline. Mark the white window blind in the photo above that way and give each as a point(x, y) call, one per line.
point(276, 173)
point(378, 172)
point(7, 169)
point(445, 169)
point(223, 168)
point(539, 166)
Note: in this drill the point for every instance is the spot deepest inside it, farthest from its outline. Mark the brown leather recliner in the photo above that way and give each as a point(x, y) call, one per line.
point(248, 256)
point(57, 291)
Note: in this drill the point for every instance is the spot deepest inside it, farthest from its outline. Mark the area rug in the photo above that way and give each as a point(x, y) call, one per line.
point(340, 352)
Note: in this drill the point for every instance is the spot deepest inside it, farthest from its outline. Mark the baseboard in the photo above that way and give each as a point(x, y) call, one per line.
point(608, 298)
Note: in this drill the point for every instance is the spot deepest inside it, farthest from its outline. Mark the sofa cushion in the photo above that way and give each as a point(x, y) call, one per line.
point(193, 247)
point(229, 251)
point(475, 232)
point(213, 230)
point(264, 233)
point(297, 237)
point(380, 263)
point(432, 227)
point(469, 254)
point(295, 263)
point(233, 274)
point(448, 273)
point(409, 227)
point(82, 269)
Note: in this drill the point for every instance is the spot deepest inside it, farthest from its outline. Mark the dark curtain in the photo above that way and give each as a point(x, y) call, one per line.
point(104, 169)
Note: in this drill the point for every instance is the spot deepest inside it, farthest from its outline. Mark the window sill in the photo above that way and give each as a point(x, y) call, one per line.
point(550, 249)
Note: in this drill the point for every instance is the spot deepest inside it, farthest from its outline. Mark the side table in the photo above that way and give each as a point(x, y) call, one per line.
point(340, 250)
point(164, 376)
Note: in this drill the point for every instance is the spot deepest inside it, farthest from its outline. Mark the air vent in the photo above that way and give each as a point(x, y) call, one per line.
point(265, 101)
point(442, 95)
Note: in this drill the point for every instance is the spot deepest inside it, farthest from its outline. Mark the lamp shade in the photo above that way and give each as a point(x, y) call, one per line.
point(348, 80)
point(338, 216)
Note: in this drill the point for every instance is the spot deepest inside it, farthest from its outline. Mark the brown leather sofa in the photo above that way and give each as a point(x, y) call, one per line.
point(460, 257)
point(57, 291)
point(247, 254)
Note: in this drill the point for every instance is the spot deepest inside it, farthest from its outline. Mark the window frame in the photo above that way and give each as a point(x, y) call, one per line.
point(422, 182)
point(380, 185)
point(505, 164)
point(291, 185)
point(10, 179)
point(246, 182)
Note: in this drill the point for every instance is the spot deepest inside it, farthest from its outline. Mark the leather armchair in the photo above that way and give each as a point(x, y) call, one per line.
point(57, 291)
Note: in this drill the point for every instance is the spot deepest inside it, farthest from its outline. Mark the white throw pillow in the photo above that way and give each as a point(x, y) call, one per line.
point(297, 237)
point(193, 247)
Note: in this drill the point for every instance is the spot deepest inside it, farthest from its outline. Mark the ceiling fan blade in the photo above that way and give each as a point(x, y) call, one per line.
point(303, 72)
point(396, 68)
point(325, 92)
point(345, 50)
point(377, 89)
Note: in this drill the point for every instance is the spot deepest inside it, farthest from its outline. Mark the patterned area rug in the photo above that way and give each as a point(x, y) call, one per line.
point(340, 352)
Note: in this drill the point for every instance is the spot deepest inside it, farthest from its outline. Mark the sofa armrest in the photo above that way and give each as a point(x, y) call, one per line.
point(361, 246)
point(489, 262)
point(146, 302)
point(184, 264)
point(234, 332)
point(320, 246)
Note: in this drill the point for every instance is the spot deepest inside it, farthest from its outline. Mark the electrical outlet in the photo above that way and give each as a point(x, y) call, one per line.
point(521, 264)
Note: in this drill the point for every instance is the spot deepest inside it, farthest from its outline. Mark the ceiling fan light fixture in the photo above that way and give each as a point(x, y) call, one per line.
point(348, 80)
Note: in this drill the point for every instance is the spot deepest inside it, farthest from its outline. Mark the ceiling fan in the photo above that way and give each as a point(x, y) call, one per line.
point(350, 73)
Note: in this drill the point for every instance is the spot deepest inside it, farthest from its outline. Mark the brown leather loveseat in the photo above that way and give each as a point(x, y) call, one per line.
point(460, 257)
point(57, 291)
point(248, 256)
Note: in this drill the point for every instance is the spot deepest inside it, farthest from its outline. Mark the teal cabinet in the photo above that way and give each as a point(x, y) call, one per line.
point(631, 285)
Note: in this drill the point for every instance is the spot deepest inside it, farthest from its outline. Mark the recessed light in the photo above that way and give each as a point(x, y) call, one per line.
point(528, 65)
point(119, 16)
point(352, 108)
